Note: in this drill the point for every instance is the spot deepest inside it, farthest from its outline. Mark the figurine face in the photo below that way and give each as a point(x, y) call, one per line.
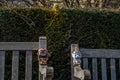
point(40, 49)
point(76, 50)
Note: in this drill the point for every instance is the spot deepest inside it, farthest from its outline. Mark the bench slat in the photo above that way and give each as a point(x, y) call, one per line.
point(103, 67)
point(15, 65)
point(42, 44)
point(106, 53)
point(85, 63)
point(18, 45)
point(28, 73)
point(72, 68)
point(113, 69)
point(2, 64)
point(119, 68)
point(94, 69)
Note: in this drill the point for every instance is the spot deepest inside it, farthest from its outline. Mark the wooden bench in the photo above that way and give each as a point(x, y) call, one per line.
point(104, 64)
point(16, 47)
point(28, 48)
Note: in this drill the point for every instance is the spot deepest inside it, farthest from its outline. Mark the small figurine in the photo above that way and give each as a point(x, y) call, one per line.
point(76, 55)
point(43, 56)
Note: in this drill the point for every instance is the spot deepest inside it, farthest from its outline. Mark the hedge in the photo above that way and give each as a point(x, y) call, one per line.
point(91, 29)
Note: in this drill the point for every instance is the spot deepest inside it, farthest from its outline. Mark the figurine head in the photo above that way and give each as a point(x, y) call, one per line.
point(76, 49)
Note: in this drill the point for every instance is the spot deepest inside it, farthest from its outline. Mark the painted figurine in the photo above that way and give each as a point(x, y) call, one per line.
point(76, 55)
point(43, 56)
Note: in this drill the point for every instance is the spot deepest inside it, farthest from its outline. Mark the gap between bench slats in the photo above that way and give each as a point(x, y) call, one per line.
point(103, 68)
point(15, 65)
point(2, 64)
point(85, 63)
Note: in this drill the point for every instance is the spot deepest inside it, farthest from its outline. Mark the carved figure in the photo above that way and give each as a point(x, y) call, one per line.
point(76, 55)
point(43, 56)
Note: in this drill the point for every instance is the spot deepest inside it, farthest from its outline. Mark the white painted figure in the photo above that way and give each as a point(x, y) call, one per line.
point(76, 55)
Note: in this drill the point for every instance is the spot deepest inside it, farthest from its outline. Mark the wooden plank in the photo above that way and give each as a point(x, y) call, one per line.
point(18, 45)
point(15, 65)
point(28, 73)
point(72, 48)
point(94, 69)
point(2, 64)
point(113, 69)
point(85, 63)
point(104, 70)
point(42, 44)
point(119, 69)
point(106, 53)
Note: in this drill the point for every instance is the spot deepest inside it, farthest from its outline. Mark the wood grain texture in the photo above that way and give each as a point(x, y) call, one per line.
point(100, 53)
point(104, 69)
point(15, 65)
point(42, 44)
point(94, 69)
point(19, 45)
point(28, 72)
point(113, 69)
point(119, 69)
point(2, 64)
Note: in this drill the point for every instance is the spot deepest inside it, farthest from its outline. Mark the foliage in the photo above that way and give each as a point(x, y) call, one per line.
point(76, 4)
point(91, 29)
point(20, 24)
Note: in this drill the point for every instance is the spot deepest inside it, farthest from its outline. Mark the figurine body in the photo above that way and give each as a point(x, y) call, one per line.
point(76, 55)
point(43, 56)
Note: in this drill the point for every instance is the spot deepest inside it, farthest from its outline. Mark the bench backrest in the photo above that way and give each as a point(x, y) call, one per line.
point(104, 64)
point(16, 47)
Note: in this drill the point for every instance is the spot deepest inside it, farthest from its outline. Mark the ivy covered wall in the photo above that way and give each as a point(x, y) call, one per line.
point(91, 29)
